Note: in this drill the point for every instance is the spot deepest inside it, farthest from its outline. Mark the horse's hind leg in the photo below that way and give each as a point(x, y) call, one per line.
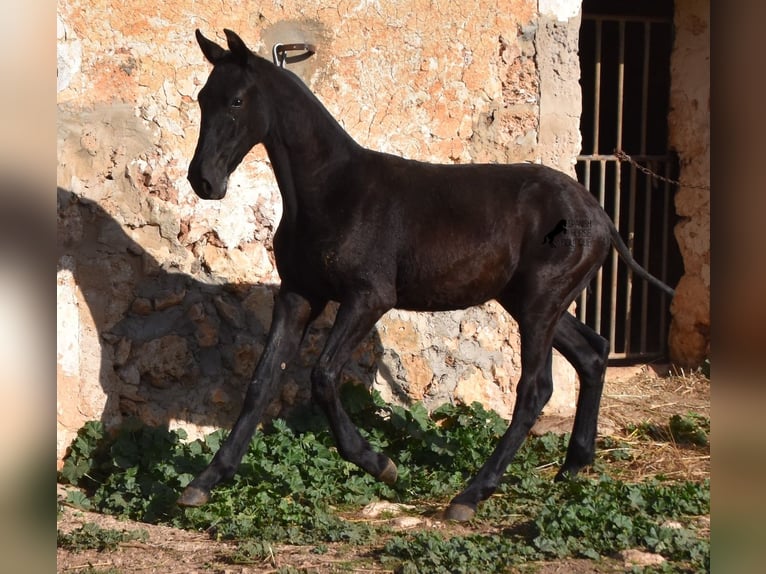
point(532, 393)
point(353, 322)
point(587, 352)
point(291, 315)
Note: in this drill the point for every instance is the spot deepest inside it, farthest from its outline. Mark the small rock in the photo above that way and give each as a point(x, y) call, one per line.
point(633, 557)
point(407, 522)
point(672, 524)
point(375, 509)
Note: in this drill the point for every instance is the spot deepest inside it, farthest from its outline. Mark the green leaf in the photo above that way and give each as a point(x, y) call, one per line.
point(78, 500)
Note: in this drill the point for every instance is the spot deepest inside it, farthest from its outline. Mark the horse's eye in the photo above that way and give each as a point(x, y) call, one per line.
point(236, 103)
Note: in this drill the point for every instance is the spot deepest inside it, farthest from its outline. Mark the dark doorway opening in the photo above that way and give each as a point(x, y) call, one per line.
point(625, 49)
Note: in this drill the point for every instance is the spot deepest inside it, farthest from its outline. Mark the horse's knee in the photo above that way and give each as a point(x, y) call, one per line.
point(601, 346)
point(594, 367)
point(533, 396)
point(322, 385)
point(539, 397)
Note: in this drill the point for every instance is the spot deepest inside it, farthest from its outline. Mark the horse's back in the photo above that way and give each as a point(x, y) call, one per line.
point(461, 233)
point(471, 203)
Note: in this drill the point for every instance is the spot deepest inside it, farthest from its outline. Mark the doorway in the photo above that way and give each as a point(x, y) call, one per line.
point(625, 49)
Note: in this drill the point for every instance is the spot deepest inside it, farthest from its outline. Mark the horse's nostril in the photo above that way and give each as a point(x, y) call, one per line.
point(201, 186)
point(206, 188)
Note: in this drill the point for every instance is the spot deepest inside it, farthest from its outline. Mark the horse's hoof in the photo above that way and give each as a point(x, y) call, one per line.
point(389, 474)
point(565, 474)
point(459, 512)
point(193, 496)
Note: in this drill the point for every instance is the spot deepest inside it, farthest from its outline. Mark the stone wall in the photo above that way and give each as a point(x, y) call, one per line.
point(164, 300)
point(689, 122)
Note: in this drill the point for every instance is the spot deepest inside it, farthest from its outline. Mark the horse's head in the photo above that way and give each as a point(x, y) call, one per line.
point(233, 119)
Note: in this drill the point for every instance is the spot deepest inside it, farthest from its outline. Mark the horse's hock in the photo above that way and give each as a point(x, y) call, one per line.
point(164, 300)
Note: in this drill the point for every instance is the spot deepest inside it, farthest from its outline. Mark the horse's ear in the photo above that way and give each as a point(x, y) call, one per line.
point(212, 51)
point(238, 48)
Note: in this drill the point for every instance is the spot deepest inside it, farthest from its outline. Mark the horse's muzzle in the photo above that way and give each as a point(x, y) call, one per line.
point(204, 187)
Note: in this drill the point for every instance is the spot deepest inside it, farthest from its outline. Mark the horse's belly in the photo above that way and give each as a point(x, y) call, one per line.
point(444, 285)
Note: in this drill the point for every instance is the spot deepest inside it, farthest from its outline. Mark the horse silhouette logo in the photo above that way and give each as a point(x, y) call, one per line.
point(550, 237)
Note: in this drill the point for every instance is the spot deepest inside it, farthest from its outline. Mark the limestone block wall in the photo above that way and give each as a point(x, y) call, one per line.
point(689, 122)
point(164, 300)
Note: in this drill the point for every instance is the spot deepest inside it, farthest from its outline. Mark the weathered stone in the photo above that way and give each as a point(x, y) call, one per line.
point(165, 360)
point(219, 396)
point(230, 313)
point(130, 375)
point(552, 424)
point(418, 376)
point(260, 303)
point(196, 312)
point(689, 126)
point(207, 332)
point(402, 335)
point(130, 407)
point(167, 300)
point(141, 306)
point(689, 337)
point(244, 359)
point(122, 351)
point(474, 388)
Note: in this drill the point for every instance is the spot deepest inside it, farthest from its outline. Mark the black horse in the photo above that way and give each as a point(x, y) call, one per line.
point(373, 232)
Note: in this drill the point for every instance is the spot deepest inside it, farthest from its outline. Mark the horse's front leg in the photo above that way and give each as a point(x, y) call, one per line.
point(354, 321)
point(291, 315)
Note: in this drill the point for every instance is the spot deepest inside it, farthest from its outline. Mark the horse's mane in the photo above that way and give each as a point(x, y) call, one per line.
point(292, 82)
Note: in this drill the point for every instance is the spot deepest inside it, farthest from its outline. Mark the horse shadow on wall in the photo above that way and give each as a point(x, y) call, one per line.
point(174, 349)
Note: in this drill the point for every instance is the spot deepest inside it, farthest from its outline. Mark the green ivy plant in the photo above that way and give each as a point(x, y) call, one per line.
point(91, 536)
point(293, 488)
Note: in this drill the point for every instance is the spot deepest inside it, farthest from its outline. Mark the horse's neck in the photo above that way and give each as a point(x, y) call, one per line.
point(305, 145)
point(283, 171)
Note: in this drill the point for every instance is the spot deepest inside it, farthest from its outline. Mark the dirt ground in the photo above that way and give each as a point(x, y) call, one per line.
point(632, 395)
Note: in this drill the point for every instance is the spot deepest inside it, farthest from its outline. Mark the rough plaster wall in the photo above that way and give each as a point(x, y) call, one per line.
point(560, 94)
point(165, 300)
point(689, 121)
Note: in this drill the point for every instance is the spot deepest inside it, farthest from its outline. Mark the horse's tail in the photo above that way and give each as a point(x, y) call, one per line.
point(627, 256)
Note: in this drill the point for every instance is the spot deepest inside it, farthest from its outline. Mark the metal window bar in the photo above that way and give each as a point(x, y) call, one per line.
point(617, 182)
point(620, 306)
point(667, 206)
